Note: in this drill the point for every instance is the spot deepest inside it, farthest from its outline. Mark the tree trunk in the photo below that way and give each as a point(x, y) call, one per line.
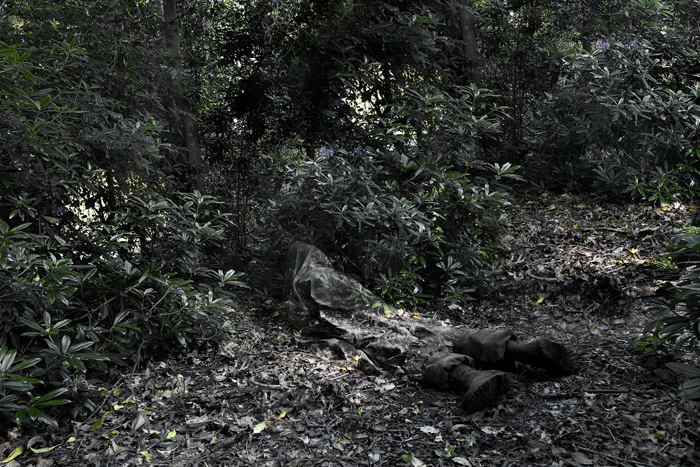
point(466, 19)
point(171, 35)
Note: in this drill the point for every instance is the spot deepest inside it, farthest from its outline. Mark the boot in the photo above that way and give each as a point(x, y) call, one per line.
point(486, 346)
point(482, 389)
point(541, 353)
point(438, 367)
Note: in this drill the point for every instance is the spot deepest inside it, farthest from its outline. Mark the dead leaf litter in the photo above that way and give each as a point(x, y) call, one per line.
point(577, 270)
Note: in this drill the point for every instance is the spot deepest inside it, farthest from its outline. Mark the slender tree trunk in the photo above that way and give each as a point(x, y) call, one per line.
point(171, 34)
point(585, 38)
point(466, 19)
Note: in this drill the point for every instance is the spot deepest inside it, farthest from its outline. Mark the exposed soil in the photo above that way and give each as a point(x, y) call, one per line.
point(579, 271)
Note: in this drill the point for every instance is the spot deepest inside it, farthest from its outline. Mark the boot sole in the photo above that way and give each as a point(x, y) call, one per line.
point(483, 388)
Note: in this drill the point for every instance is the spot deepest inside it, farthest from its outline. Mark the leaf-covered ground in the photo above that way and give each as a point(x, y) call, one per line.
point(579, 271)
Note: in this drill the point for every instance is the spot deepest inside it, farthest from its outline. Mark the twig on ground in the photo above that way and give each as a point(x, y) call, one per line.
point(636, 392)
point(570, 395)
point(276, 387)
point(609, 456)
point(609, 229)
point(546, 279)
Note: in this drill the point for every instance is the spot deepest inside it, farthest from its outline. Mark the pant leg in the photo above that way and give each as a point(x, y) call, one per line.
point(486, 346)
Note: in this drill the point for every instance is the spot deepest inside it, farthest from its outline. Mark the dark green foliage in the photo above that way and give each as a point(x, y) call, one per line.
point(402, 216)
point(73, 310)
point(360, 139)
point(102, 262)
point(357, 126)
point(427, 235)
point(677, 326)
point(680, 324)
point(286, 75)
point(625, 117)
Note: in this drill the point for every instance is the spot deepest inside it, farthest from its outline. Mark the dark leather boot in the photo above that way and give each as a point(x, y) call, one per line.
point(482, 389)
point(541, 353)
point(436, 372)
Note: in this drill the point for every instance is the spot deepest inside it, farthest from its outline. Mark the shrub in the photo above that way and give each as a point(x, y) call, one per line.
point(100, 262)
point(621, 120)
point(676, 329)
point(71, 311)
point(415, 212)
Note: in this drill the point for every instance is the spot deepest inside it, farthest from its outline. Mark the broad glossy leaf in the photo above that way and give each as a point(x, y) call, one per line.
point(684, 368)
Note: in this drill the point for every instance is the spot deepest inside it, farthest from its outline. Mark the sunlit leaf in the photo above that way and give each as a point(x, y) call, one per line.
point(14, 454)
point(43, 450)
point(259, 427)
point(98, 424)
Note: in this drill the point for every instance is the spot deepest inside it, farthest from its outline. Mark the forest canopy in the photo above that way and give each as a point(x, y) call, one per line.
point(155, 150)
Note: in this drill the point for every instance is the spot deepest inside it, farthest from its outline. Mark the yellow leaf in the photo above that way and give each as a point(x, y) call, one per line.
point(19, 450)
point(167, 451)
point(43, 450)
point(259, 427)
point(98, 424)
point(540, 300)
point(171, 435)
point(282, 415)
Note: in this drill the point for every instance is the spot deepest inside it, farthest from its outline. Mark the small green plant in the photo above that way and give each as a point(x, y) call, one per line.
point(690, 389)
point(676, 328)
point(650, 340)
point(14, 386)
point(663, 261)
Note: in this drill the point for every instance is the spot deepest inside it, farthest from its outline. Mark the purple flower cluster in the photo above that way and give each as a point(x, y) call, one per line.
point(634, 44)
point(325, 151)
point(100, 104)
point(602, 45)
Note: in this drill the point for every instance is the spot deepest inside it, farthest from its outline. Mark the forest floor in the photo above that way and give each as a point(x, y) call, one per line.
point(579, 270)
